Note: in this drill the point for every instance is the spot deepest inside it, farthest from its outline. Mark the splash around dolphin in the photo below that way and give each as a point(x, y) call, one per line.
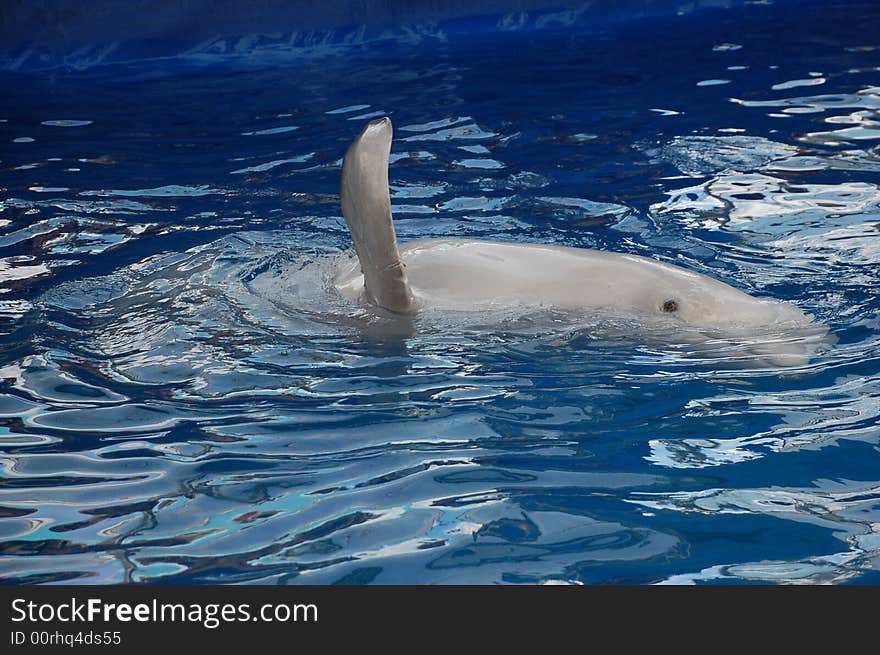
point(468, 274)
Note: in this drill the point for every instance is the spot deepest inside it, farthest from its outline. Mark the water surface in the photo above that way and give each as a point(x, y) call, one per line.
point(185, 400)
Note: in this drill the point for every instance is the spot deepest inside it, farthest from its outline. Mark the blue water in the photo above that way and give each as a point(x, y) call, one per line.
point(185, 400)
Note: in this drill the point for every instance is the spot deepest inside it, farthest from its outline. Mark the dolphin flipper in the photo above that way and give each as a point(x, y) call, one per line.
point(366, 206)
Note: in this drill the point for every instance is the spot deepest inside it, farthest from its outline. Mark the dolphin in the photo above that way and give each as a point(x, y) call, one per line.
point(462, 274)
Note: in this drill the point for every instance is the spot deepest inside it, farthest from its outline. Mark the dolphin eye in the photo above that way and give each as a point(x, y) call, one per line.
point(670, 306)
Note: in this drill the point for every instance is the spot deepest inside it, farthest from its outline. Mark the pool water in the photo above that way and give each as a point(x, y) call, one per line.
point(185, 399)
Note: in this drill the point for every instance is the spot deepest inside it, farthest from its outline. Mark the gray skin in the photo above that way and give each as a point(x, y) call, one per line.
point(462, 274)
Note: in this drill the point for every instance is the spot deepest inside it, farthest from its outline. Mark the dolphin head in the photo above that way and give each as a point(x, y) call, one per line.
point(763, 330)
point(715, 306)
point(690, 297)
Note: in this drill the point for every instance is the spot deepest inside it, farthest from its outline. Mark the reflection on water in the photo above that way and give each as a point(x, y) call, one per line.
point(186, 399)
point(846, 507)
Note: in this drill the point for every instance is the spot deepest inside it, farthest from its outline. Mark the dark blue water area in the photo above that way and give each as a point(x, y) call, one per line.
point(186, 399)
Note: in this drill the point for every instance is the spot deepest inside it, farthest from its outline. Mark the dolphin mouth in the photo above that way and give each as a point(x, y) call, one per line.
point(791, 345)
